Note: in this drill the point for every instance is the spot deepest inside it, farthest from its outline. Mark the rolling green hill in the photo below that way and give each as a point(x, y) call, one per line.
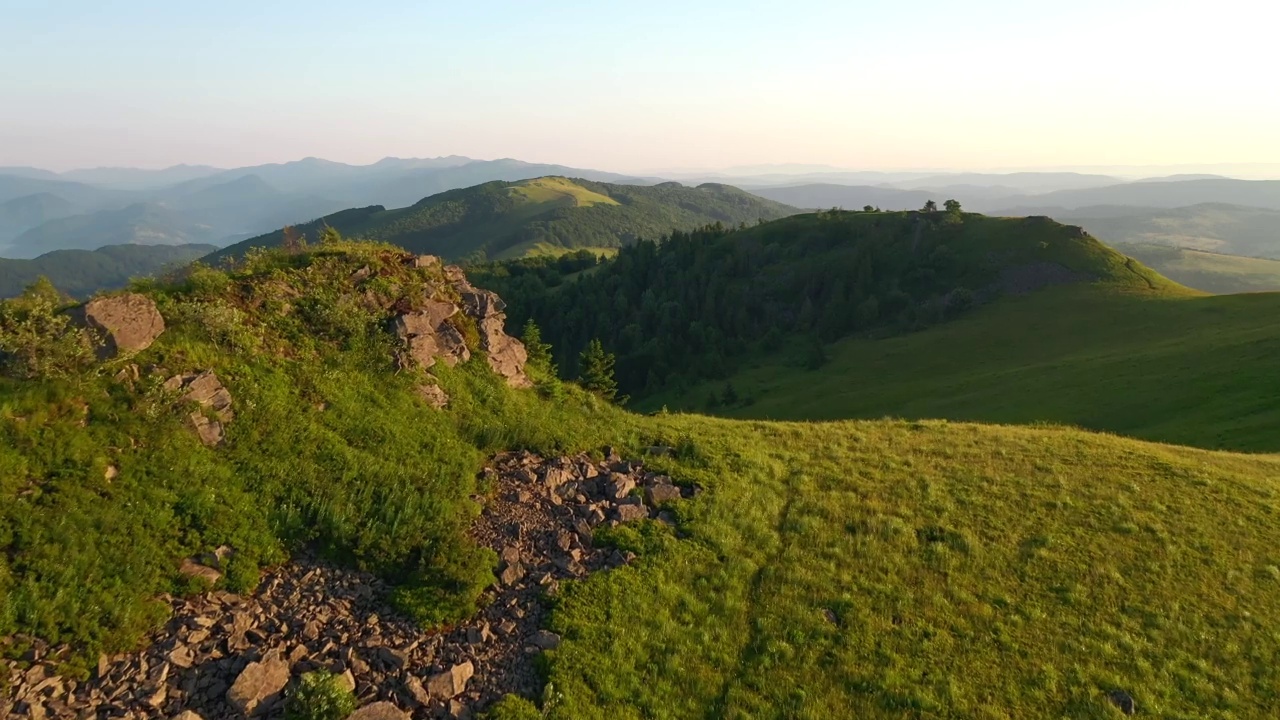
point(695, 305)
point(1208, 271)
point(1191, 370)
point(877, 569)
point(80, 273)
point(511, 219)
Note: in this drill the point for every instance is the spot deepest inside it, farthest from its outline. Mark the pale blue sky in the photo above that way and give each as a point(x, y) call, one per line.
point(641, 85)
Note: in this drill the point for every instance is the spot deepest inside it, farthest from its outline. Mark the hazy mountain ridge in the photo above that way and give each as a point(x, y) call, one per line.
point(242, 202)
point(505, 219)
point(80, 273)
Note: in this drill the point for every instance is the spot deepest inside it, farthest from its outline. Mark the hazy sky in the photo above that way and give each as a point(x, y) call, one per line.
point(636, 86)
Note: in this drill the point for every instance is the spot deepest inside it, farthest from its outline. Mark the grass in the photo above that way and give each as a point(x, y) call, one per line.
point(558, 190)
point(1171, 367)
point(909, 570)
point(330, 447)
point(871, 569)
point(1209, 271)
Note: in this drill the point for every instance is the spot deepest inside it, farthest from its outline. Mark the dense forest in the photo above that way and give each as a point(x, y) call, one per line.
point(692, 306)
point(513, 219)
point(80, 273)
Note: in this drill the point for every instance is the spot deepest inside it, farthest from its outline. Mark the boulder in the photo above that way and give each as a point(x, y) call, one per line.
point(379, 711)
point(123, 324)
point(424, 261)
point(259, 685)
point(1123, 701)
point(188, 715)
point(660, 493)
point(192, 569)
point(631, 511)
point(619, 486)
point(545, 640)
point(451, 682)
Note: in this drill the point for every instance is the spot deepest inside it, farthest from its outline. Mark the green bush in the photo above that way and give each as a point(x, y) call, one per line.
point(38, 341)
point(319, 695)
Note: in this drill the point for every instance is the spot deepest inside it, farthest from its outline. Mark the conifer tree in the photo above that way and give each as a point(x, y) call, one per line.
point(597, 372)
point(538, 351)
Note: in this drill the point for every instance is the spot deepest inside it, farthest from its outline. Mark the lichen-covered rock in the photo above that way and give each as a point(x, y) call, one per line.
point(430, 337)
point(505, 354)
point(205, 390)
point(123, 324)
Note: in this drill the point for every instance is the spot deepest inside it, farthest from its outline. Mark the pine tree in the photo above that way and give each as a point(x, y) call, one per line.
point(539, 352)
point(597, 372)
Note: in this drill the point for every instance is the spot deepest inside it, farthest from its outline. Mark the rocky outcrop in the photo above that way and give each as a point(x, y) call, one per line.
point(430, 336)
point(431, 331)
point(121, 324)
point(506, 355)
point(205, 390)
point(227, 656)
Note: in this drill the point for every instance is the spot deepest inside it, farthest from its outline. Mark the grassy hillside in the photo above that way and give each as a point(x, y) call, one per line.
point(501, 219)
point(80, 273)
point(1176, 368)
point(1208, 271)
point(859, 569)
point(913, 570)
point(694, 306)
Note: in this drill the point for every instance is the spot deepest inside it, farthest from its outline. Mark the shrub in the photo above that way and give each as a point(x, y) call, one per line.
point(38, 341)
point(320, 695)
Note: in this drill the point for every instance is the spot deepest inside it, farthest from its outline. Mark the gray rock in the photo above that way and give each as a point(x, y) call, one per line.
point(545, 640)
point(204, 389)
point(430, 337)
point(417, 691)
point(619, 486)
point(451, 682)
point(1124, 701)
point(259, 685)
point(192, 569)
point(123, 324)
point(661, 493)
point(379, 711)
point(630, 512)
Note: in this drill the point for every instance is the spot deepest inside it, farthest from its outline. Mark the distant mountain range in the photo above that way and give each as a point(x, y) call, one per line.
point(43, 211)
point(186, 203)
point(80, 273)
point(548, 214)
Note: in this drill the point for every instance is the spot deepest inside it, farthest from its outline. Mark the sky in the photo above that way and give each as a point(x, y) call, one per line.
point(641, 86)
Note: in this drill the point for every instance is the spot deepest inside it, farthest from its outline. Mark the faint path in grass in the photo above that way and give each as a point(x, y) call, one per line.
point(755, 643)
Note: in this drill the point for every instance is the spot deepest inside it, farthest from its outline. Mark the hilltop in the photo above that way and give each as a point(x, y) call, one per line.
point(510, 219)
point(866, 569)
point(694, 306)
